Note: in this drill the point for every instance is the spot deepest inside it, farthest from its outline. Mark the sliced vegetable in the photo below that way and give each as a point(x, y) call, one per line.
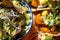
point(43, 1)
point(44, 13)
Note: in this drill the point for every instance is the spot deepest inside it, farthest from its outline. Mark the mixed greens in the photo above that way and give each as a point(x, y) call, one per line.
point(13, 21)
point(48, 20)
point(46, 36)
point(49, 38)
point(52, 19)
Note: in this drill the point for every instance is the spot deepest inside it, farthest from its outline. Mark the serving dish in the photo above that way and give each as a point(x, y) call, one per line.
point(30, 25)
point(19, 19)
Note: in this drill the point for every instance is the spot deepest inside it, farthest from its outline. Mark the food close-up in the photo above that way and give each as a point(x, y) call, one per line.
point(14, 18)
point(47, 18)
point(29, 19)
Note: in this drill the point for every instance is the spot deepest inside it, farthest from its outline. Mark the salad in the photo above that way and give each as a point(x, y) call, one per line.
point(13, 19)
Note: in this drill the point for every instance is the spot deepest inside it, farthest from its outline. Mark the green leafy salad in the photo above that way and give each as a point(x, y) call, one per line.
point(13, 20)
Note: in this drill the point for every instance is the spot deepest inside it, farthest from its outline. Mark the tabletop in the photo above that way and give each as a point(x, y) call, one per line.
point(33, 34)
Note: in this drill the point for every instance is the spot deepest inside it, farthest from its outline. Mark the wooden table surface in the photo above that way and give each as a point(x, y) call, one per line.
point(33, 34)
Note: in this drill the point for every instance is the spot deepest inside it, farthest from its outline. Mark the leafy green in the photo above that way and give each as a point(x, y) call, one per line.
point(27, 22)
point(58, 6)
point(54, 14)
point(51, 22)
point(51, 19)
point(10, 20)
point(48, 38)
point(28, 16)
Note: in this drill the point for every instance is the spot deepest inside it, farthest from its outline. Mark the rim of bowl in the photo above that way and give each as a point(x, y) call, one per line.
point(30, 25)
